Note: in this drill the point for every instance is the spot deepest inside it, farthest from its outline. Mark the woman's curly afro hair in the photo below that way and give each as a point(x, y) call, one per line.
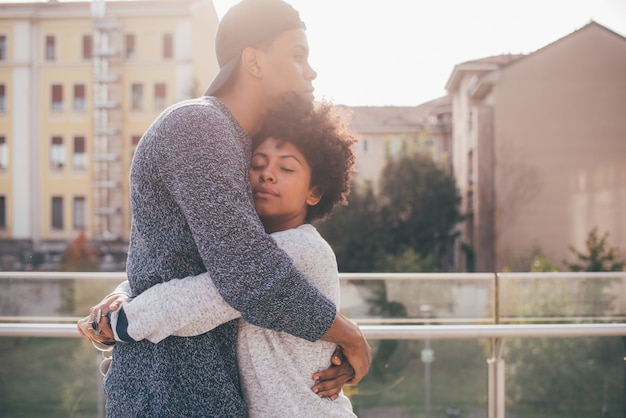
point(321, 135)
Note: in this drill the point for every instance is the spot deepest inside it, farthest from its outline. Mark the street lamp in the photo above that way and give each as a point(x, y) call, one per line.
point(427, 357)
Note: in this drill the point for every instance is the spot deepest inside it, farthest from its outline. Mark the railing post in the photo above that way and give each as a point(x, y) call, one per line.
point(99, 392)
point(495, 384)
point(495, 365)
point(624, 342)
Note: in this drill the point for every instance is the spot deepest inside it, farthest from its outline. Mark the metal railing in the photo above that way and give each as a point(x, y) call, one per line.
point(15, 326)
point(495, 381)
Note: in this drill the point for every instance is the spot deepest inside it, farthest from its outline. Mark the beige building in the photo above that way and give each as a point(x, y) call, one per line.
point(387, 131)
point(535, 142)
point(539, 148)
point(79, 84)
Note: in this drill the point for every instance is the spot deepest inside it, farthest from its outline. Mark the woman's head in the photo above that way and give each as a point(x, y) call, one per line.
point(317, 145)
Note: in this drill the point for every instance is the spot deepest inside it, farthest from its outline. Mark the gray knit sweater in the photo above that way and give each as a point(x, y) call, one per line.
point(270, 362)
point(193, 212)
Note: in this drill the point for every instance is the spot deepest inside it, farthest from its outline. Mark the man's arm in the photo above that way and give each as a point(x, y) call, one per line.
point(203, 165)
point(356, 350)
point(192, 306)
point(208, 180)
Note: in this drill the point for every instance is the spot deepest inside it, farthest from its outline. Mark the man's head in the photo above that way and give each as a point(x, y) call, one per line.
point(267, 39)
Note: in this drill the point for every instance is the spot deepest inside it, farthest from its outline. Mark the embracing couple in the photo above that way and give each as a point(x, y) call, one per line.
point(230, 308)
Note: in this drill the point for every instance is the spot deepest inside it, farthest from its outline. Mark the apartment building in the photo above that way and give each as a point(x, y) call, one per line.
point(539, 144)
point(386, 131)
point(79, 84)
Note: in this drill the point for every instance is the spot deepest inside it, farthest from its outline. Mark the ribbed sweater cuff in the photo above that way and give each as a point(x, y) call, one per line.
point(121, 328)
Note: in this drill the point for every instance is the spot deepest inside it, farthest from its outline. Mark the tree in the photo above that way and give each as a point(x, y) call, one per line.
point(599, 256)
point(419, 205)
point(409, 261)
point(409, 222)
point(580, 375)
point(80, 255)
point(355, 232)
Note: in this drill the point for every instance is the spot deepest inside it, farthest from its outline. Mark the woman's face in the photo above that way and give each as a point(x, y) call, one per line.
point(280, 178)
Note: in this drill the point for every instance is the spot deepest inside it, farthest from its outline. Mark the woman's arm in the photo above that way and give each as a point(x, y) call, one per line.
point(180, 307)
point(193, 305)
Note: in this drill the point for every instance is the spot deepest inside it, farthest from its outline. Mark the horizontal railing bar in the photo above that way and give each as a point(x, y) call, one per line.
point(61, 275)
point(391, 332)
point(56, 275)
point(422, 276)
point(39, 330)
point(564, 275)
point(382, 321)
point(442, 332)
point(50, 318)
point(489, 321)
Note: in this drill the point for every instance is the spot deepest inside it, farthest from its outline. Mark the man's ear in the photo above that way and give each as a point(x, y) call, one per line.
point(250, 61)
point(314, 197)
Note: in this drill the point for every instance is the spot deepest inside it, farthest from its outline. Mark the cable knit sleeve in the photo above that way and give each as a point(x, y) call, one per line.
point(201, 170)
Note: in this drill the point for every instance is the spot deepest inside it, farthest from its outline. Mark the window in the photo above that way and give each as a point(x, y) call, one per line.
point(134, 141)
point(3, 98)
point(130, 46)
point(50, 48)
point(470, 168)
point(80, 212)
point(160, 99)
point(57, 152)
point(87, 47)
point(57, 212)
point(79, 158)
point(168, 46)
point(3, 212)
point(3, 48)
point(137, 96)
point(79, 97)
point(57, 97)
point(4, 153)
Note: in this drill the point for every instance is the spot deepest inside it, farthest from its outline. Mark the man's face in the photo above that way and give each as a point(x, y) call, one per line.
point(286, 66)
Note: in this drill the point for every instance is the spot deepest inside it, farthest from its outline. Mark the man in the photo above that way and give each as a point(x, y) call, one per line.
point(193, 212)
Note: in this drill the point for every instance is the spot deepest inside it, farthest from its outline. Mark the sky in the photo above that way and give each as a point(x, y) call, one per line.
point(402, 52)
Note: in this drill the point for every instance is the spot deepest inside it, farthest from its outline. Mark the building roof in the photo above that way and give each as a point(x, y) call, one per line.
point(481, 65)
point(497, 62)
point(395, 118)
point(82, 9)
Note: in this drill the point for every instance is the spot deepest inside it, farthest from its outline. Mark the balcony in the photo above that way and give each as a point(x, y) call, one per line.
point(457, 345)
point(107, 105)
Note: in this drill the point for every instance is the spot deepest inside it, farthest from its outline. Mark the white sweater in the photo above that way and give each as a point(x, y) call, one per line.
point(275, 367)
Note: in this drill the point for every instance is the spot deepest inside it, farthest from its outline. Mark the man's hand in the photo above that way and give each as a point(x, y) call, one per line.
point(99, 312)
point(354, 346)
point(330, 381)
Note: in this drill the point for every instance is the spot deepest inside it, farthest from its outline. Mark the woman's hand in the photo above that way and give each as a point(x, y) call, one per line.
point(331, 381)
point(96, 326)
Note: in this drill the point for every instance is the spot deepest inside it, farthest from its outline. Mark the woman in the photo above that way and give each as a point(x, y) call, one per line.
point(300, 169)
